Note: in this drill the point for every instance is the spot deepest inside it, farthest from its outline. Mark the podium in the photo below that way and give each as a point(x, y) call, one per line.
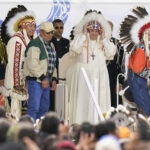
point(61, 102)
point(61, 93)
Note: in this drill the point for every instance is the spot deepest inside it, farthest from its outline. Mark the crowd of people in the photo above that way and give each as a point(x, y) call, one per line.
point(32, 72)
point(49, 133)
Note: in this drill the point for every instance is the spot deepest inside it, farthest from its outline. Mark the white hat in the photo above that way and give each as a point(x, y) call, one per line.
point(46, 26)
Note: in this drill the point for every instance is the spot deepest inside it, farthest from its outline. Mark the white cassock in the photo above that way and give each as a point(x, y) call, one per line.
point(93, 59)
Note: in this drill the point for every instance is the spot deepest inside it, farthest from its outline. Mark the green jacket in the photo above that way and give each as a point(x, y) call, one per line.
point(36, 59)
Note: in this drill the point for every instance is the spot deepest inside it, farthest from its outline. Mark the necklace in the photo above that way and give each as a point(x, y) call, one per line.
point(93, 49)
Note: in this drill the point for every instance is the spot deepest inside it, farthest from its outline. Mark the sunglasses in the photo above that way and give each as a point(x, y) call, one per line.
point(59, 27)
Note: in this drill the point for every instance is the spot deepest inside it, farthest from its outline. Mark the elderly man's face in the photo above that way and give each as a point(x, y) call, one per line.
point(30, 29)
point(47, 36)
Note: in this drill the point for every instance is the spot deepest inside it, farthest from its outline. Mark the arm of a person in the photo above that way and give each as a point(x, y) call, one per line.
point(14, 51)
point(2, 74)
point(109, 49)
point(2, 69)
point(76, 45)
point(121, 66)
point(54, 85)
point(119, 60)
point(33, 63)
point(54, 80)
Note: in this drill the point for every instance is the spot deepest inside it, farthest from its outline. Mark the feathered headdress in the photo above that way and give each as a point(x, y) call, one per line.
point(133, 26)
point(94, 19)
point(15, 18)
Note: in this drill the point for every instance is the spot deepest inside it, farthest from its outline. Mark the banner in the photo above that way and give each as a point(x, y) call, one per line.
point(71, 11)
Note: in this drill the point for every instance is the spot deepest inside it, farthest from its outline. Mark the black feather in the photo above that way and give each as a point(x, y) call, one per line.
point(5, 37)
point(125, 40)
point(130, 46)
point(142, 10)
point(137, 13)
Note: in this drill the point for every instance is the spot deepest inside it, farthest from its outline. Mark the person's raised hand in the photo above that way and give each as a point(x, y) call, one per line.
point(102, 33)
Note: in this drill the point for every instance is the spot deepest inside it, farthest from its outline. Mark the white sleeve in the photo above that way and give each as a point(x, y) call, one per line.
point(109, 49)
point(15, 54)
point(76, 45)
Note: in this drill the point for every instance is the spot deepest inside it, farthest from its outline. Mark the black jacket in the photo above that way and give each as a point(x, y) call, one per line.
point(61, 47)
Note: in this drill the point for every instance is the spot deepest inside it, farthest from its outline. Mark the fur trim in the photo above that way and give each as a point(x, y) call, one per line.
point(136, 28)
point(78, 29)
point(26, 37)
point(12, 21)
point(19, 97)
point(5, 92)
point(8, 92)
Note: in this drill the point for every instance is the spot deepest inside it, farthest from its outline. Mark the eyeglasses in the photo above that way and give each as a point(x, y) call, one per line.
point(59, 27)
point(51, 32)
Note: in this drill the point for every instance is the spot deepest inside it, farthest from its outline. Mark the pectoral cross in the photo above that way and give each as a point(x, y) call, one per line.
point(93, 56)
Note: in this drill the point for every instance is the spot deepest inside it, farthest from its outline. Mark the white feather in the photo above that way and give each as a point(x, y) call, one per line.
point(12, 21)
point(120, 108)
point(131, 119)
point(141, 117)
point(93, 16)
point(136, 28)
